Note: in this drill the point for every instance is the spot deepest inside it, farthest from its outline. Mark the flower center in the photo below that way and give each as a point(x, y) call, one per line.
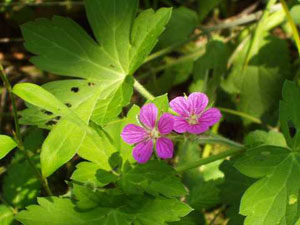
point(193, 119)
point(154, 134)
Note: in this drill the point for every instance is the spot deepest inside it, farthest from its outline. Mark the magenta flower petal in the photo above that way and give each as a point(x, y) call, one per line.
point(197, 128)
point(133, 134)
point(164, 148)
point(180, 105)
point(210, 117)
point(148, 115)
point(197, 102)
point(180, 125)
point(143, 151)
point(166, 123)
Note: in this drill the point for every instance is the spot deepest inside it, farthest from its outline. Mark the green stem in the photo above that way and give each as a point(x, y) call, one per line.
point(241, 114)
point(214, 139)
point(143, 91)
point(207, 160)
point(18, 132)
point(292, 24)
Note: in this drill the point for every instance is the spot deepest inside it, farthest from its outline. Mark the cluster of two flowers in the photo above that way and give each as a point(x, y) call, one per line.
point(193, 116)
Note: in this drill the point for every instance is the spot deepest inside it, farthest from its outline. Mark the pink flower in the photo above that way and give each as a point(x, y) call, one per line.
point(193, 116)
point(149, 133)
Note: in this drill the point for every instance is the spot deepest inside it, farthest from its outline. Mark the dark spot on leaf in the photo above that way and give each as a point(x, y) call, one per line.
point(57, 118)
point(68, 105)
point(112, 66)
point(51, 123)
point(75, 89)
point(47, 112)
point(292, 128)
point(91, 84)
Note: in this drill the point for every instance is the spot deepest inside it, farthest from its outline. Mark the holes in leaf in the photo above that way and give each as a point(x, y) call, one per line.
point(51, 123)
point(69, 105)
point(91, 84)
point(292, 128)
point(47, 112)
point(75, 89)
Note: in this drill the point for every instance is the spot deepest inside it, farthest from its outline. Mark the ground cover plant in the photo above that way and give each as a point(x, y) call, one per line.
point(150, 112)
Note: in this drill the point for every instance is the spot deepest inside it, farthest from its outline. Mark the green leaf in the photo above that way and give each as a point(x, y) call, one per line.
point(41, 98)
point(204, 196)
point(259, 84)
point(145, 31)
point(115, 160)
point(205, 6)
point(6, 215)
point(62, 143)
point(202, 183)
point(111, 22)
point(210, 68)
point(93, 174)
point(134, 210)
point(232, 190)
point(72, 133)
point(273, 199)
point(161, 102)
point(193, 218)
point(115, 129)
point(289, 114)
point(20, 185)
point(71, 93)
point(62, 47)
point(173, 75)
point(182, 23)
point(155, 177)
point(117, 95)
point(34, 139)
point(295, 13)
point(97, 148)
point(6, 145)
point(259, 137)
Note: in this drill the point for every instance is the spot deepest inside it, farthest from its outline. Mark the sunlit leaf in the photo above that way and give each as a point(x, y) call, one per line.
point(6, 145)
point(273, 199)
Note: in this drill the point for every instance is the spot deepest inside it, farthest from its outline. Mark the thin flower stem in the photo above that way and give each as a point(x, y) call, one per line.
point(236, 148)
point(207, 160)
point(292, 24)
point(245, 116)
point(143, 91)
point(241, 114)
point(13, 102)
point(19, 140)
point(216, 139)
